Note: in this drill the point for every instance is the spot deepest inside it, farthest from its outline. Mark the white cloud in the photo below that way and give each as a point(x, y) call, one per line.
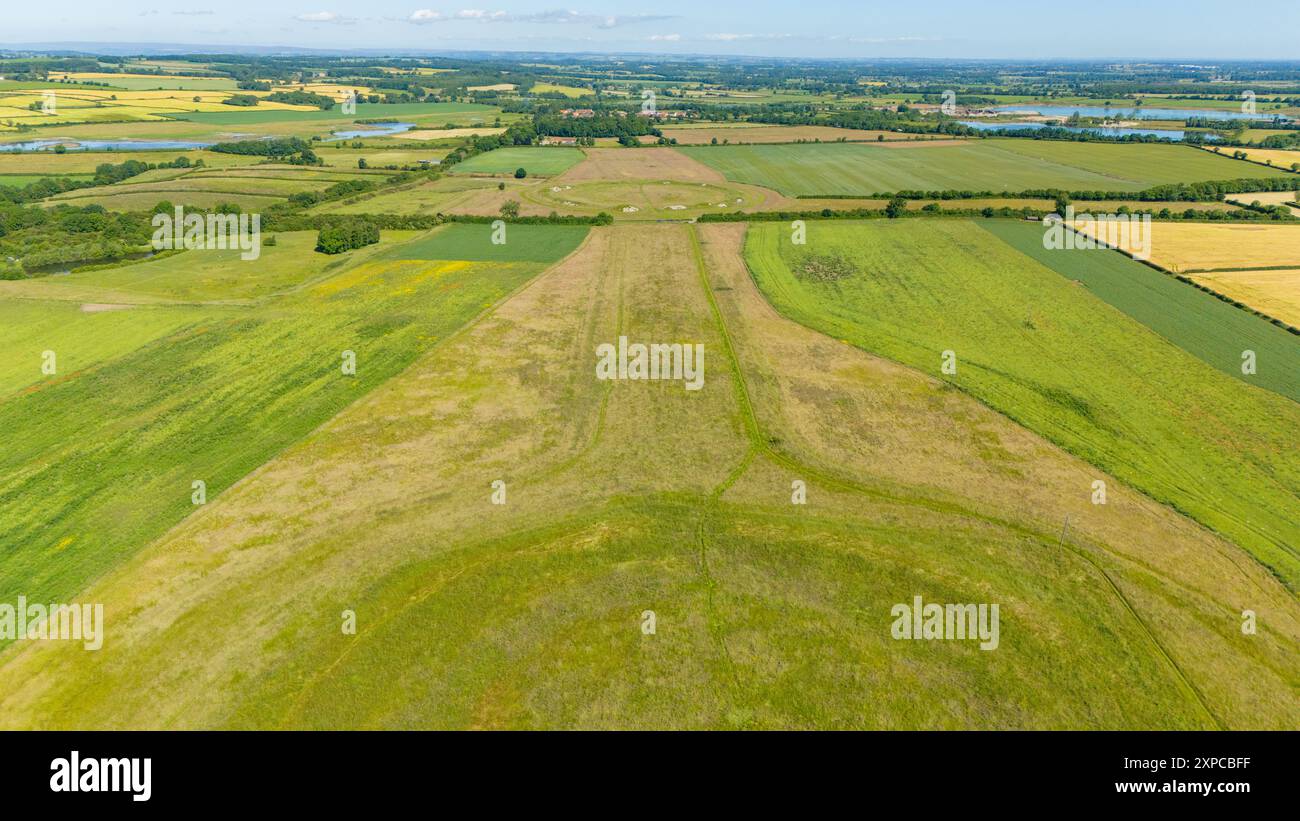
point(895, 39)
point(728, 37)
point(552, 16)
point(665, 38)
point(321, 17)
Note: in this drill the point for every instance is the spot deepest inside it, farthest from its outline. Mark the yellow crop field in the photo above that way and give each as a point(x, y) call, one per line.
point(335, 90)
point(1276, 293)
point(446, 133)
point(567, 91)
point(115, 105)
point(1268, 198)
point(1191, 246)
point(1279, 158)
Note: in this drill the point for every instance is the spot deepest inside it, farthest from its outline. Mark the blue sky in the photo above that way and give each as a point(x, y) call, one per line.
point(1164, 29)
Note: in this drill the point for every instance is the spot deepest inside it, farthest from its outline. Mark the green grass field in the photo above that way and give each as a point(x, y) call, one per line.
point(983, 165)
point(473, 241)
point(20, 180)
point(572, 92)
point(536, 160)
point(204, 276)
point(251, 188)
point(44, 163)
point(134, 417)
point(439, 195)
point(79, 339)
point(1056, 359)
point(1208, 328)
point(626, 497)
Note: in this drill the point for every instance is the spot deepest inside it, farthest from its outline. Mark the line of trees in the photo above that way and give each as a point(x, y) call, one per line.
point(1207, 191)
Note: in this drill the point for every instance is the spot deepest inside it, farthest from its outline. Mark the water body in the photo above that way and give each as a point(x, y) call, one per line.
point(65, 268)
point(1167, 133)
point(1143, 113)
point(377, 130)
point(103, 145)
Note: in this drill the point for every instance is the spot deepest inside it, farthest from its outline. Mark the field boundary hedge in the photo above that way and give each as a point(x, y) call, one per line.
point(1197, 285)
point(1207, 191)
point(1006, 212)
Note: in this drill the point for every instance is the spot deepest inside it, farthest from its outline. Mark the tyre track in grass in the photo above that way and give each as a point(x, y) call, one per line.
point(761, 446)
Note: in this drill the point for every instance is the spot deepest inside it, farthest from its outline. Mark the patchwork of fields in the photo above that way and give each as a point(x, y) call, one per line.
point(706, 133)
point(1199, 323)
point(79, 105)
point(538, 161)
point(250, 187)
point(235, 456)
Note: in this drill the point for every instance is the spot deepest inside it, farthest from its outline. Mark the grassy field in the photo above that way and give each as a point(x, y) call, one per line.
point(442, 195)
point(20, 180)
point(704, 133)
point(111, 449)
point(1056, 359)
point(143, 82)
point(983, 165)
point(572, 92)
point(251, 188)
point(377, 156)
point(646, 199)
point(46, 163)
point(1204, 326)
point(468, 241)
point(536, 160)
point(203, 276)
point(626, 497)
point(79, 336)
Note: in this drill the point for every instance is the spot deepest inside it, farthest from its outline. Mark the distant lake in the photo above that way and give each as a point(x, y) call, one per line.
point(1167, 133)
point(1143, 113)
point(103, 145)
point(377, 130)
